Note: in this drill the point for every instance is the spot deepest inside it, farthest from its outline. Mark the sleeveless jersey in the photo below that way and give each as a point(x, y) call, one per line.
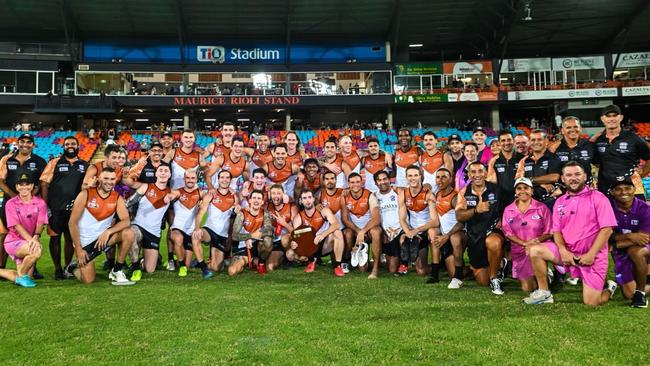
point(118, 171)
point(180, 163)
point(314, 185)
point(283, 176)
point(430, 165)
point(316, 221)
point(219, 212)
point(152, 209)
point(236, 170)
point(402, 161)
point(185, 209)
point(285, 212)
point(446, 212)
point(250, 224)
point(354, 161)
point(359, 208)
point(341, 179)
point(372, 166)
point(259, 160)
point(295, 158)
point(388, 209)
point(417, 206)
point(332, 202)
point(97, 215)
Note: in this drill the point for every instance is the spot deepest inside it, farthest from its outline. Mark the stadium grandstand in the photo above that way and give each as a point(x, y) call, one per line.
point(389, 112)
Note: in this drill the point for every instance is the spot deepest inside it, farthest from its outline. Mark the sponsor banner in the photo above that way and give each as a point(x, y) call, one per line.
point(563, 94)
point(429, 68)
point(526, 64)
point(467, 67)
point(579, 63)
point(633, 91)
point(635, 59)
point(421, 98)
point(473, 97)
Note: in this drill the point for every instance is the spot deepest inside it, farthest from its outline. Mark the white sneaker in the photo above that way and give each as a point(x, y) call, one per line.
point(354, 256)
point(455, 284)
point(383, 258)
point(495, 285)
point(611, 286)
point(119, 279)
point(573, 281)
point(538, 297)
point(171, 266)
point(345, 267)
point(362, 254)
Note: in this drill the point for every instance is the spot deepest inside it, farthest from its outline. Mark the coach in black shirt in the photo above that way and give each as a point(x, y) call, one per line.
point(503, 168)
point(60, 184)
point(13, 166)
point(542, 167)
point(574, 148)
point(617, 151)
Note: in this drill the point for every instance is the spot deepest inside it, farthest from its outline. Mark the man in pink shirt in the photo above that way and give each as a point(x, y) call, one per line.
point(26, 218)
point(583, 221)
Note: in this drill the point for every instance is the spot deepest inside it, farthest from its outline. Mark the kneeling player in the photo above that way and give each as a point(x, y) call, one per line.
point(252, 232)
point(153, 200)
point(328, 233)
point(360, 216)
point(387, 200)
point(220, 206)
point(281, 214)
point(92, 231)
point(185, 210)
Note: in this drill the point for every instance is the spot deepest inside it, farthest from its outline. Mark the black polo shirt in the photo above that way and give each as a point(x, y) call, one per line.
point(482, 223)
point(506, 171)
point(11, 169)
point(619, 157)
point(65, 179)
point(546, 164)
point(582, 153)
point(148, 173)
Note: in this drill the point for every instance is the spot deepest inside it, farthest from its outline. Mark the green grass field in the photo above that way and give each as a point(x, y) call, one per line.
point(289, 317)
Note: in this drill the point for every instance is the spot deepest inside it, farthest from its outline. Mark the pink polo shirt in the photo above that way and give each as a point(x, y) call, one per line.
point(579, 217)
point(528, 225)
point(29, 215)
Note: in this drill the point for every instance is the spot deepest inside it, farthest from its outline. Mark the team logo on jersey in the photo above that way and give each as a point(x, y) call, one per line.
point(63, 168)
point(151, 193)
point(409, 202)
point(348, 206)
point(584, 153)
point(92, 203)
point(634, 222)
point(536, 217)
point(178, 158)
point(183, 197)
point(32, 165)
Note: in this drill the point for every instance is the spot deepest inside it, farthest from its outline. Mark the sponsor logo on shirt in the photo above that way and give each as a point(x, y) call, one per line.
point(536, 217)
point(634, 222)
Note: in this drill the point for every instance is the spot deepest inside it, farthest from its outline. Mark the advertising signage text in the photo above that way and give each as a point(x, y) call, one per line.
point(236, 101)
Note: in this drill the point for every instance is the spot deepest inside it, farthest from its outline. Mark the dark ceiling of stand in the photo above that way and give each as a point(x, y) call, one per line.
point(447, 29)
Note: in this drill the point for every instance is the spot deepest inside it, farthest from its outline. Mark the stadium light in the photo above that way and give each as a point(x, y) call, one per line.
point(415, 45)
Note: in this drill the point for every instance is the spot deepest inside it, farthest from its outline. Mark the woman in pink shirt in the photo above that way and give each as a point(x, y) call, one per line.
point(526, 223)
point(26, 218)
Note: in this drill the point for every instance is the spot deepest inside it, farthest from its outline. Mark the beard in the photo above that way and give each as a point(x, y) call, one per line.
point(71, 153)
point(577, 189)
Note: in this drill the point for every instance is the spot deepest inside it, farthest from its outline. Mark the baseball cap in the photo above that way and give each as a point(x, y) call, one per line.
point(155, 144)
point(454, 137)
point(612, 108)
point(623, 180)
point(24, 178)
point(524, 180)
point(26, 136)
point(478, 129)
point(166, 133)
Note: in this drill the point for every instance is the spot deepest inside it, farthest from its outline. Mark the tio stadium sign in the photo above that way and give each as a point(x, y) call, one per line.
point(220, 55)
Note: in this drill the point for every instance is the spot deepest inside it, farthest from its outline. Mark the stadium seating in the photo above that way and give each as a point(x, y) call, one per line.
point(48, 144)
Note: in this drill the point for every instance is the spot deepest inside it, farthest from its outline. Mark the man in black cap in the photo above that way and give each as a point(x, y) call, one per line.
point(455, 150)
point(144, 171)
point(11, 167)
point(618, 151)
point(167, 142)
point(60, 184)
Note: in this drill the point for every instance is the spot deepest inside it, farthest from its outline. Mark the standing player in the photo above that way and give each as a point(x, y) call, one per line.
point(12, 166)
point(360, 215)
point(112, 158)
point(328, 233)
point(405, 155)
point(220, 206)
point(281, 214)
point(222, 144)
point(258, 182)
point(617, 151)
point(234, 162)
point(333, 162)
point(185, 212)
point(631, 242)
point(295, 155)
point(450, 242)
point(167, 142)
point(60, 184)
point(433, 159)
point(455, 152)
point(26, 218)
point(478, 208)
point(260, 156)
point(387, 199)
point(350, 156)
point(252, 232)
point(373, 163)
point(153, 200)
point(93, 228)
point(330, 197)
point(417, 217)
point(582, 224)
point(184, 158)
point(281, 171)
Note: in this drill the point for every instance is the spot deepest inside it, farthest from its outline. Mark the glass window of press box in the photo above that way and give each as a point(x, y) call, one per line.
point(632, 73)
point(26, 82)
point(429, 84)
point(529, 78)
point(312, 83)
point(579, 76)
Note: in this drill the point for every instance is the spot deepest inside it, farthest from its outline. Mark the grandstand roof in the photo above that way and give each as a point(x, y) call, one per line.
point(446, 28)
